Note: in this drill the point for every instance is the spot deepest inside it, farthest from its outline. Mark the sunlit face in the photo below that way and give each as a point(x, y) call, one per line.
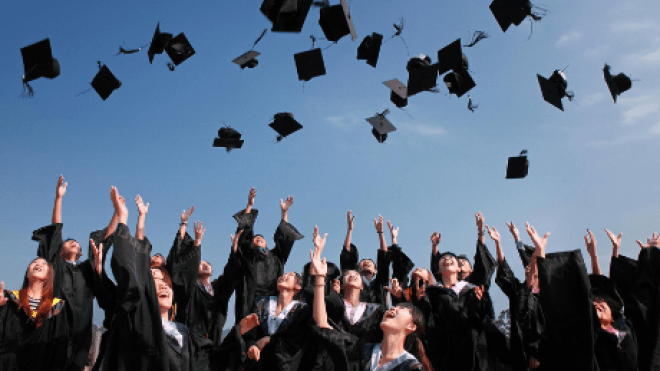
point(465, 267)
point(603, 311)
point(398, 319)
point(449, 264)
point(165, 294)
point(157, 260)
point(205, 269)
point(71, 250)
point(367, 265)
point(259, 241)
point(352, 279)
point(38, 270)
point(288, 281)
point(157, 274)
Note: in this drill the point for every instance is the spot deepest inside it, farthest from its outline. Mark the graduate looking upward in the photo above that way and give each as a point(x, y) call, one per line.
point(260, 267)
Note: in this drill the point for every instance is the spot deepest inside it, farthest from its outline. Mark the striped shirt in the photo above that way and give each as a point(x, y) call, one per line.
point(34, 304)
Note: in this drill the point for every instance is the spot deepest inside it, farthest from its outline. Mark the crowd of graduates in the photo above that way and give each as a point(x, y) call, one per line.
point(168, 313)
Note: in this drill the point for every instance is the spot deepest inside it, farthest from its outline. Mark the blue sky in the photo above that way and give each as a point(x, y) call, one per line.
point(592, 166)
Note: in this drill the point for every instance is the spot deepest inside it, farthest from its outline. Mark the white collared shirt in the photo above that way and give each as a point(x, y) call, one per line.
point(273, 320)
point(376, 354)
point(354, 313)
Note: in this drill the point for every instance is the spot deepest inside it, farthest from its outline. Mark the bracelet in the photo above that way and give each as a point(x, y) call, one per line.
point(379, 232)
point(315, 285)
point(183, 223)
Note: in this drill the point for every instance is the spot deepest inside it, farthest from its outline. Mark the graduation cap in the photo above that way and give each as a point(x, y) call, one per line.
point(228, 138)
point(508, 12)
point(284, 124)
point(286, 15)
point(105, 82)
point(525, 253)
point(158, 43)
point(517, 167)
point(336, 22)
point(179, 49)
point(38, 62)
point(617, 84)
point(248, 59)
point(309, 64)
point(422, 75)
point(554, 88)
point(381, 126)
point(369, 49)
point(459, 82)
point(451, 58)
point(399, 92)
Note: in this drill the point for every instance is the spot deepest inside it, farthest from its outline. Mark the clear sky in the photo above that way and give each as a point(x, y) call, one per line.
point(593, 166)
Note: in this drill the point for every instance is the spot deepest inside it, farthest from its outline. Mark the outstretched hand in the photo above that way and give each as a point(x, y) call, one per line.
point(185, 214)
point(539, 242)
point(98, 256)
point(199, 232)
point(142, 208)
point(513, 230)
point(61, 187)
point(349, 218)
point(494, 234)
point(248, 323)
point(435, 238)
point(285, 205)
point(479, 218)
point(234, 240)
point(590, 243)
point(3, 298)
point(616, 242)
point(394, 288)
point(393, 232)
point(251, 196)
point(654, 241)
point(378, 223)
point(318, 266)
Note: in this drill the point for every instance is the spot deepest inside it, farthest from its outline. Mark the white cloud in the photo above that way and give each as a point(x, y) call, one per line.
point(645, 57)
point(428, 130)
point(592, 99)
point(638, 112)
point(569, 37)
point(345, 121)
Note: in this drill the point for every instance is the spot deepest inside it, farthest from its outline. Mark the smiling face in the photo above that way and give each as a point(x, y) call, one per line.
point(157, 261)
point(165, 294)
point(367, 265)
point(157, 274)
point(352, 279)
point(289, 281)
point(465, 267)
point(38, 270)
point(398, 319)
point(604, 312)
point(205, 269)
point(259, 241)
point(449, 264)
point(71, 250)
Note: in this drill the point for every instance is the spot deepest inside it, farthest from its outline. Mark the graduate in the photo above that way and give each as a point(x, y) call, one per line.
point(260, 267)
point(400, 348)
point(34, 332)
point(75, 281)
point(142, 336)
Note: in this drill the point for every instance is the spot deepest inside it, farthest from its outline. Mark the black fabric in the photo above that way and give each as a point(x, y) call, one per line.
point(569, 312)
point(527, 321)
point(483, 268)
point(401, 264)
point(613, 353)
point(375, 291)
point(259, 271)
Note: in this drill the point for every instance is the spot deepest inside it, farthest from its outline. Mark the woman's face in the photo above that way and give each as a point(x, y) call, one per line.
point(157, 260)
point(288, 281)
point(352, 279)
point(157, 274)
point(448, 263)
point(367, 265)
point(38, 270)
point(259, 241)
point(604, 312)
point(205, 269)
point(165, 294)
point(71, 248)
point(465, 267)
point(398, 319)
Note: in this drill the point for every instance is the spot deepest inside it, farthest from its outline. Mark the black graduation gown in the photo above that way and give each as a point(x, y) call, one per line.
point(137, 339)
point(616, 352)
point(455, 330)
point(23, 347)
point(286, 348)
point(202, 312)
point(257, 271)
point(482, 270)
point(76, 285)
point(527, 321)
point(374, 292)
point(571, 322)
point(351, 353)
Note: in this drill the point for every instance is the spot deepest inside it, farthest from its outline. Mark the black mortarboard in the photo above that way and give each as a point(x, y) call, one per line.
point(309, 64)
point(451, 57)
point(105, 82)
point(517, 166)
point(554, 88)
point(399, 92)
point(38, 61)
point(228, 138)
point(336, 22)
point(381, 125)
point(459, 82)
point(508, 12)
point(248, 59)
point(284, 124)
point(158, 43)
point(369, 49)
point(422, 75)
point(617, 84)
point(286, 15)
point(525, 253)
point(179, 49)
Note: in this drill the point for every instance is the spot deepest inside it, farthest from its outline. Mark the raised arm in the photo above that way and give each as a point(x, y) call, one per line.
point(59, 194)
point(112, 226)
point(479, 218)
point(393, 232)
point(378, 223)
point(495, 236)
point(539, 242)
point(616, 242)
point(199, 232)
point(349, 232)
point(319, 268)
point(285, 205)
point(514, 232)
point(435, 255)
point(185, 215)
point(142, 210)
point(251, 196)
point(590, 242)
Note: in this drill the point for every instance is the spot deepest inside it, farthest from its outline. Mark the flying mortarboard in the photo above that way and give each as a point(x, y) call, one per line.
point(179, 49)
point(105, 82)
point(554, 88)
point(284, 124)
point(286, 15)
point(451, 57)
point(38, 62)
point(508, 12)
point(309, 64)
point(398, 93)
point(517, 166)
point(459, 82)
point(422, 75)
point(381, 126)
point(336, 22)
point(158, 43)
point(616, 84)
point(369, 49)
point(228, 138)
point(248, 59)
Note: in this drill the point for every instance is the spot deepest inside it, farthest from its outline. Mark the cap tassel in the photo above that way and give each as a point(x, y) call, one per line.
point(471, 106)
point(263, 33)
point(130, 51)
point(100, 66)
point(28, 92)
point(399, 29)
point(170, 65)
point(476, 37)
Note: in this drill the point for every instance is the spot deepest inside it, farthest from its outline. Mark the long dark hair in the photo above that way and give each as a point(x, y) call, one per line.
point(413, 344)
point(46, 303)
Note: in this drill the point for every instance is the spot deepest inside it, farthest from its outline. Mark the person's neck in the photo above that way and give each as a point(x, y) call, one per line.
point(164, 314)
point(352, 296)
point(205, 280)
point(69, 257)
point(284, 298)
point(368, 275)
point(605, 325)
point(449, 279)
point(392, 346)
point(35, 289)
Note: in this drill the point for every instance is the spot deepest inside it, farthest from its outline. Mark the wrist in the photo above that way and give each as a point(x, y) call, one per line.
point(180, 224)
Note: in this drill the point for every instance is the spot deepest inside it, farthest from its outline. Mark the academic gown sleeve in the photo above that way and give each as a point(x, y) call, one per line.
point(223, 287)
point(435, 266)
point(484, 267)
point(285, 236)
point(401, 265)
point(183, 265)
point(348, 259)
point(50, 246)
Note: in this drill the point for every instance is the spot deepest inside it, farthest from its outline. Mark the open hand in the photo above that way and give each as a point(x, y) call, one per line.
point(285, 205)
point(61, 187)
point(590, 243)
point(142, 208)
point(435, 238)
point(350, 217)
point(494, 234)
point(514, 231)
point(394, 288)
point(98, 256)
point(185, 214)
